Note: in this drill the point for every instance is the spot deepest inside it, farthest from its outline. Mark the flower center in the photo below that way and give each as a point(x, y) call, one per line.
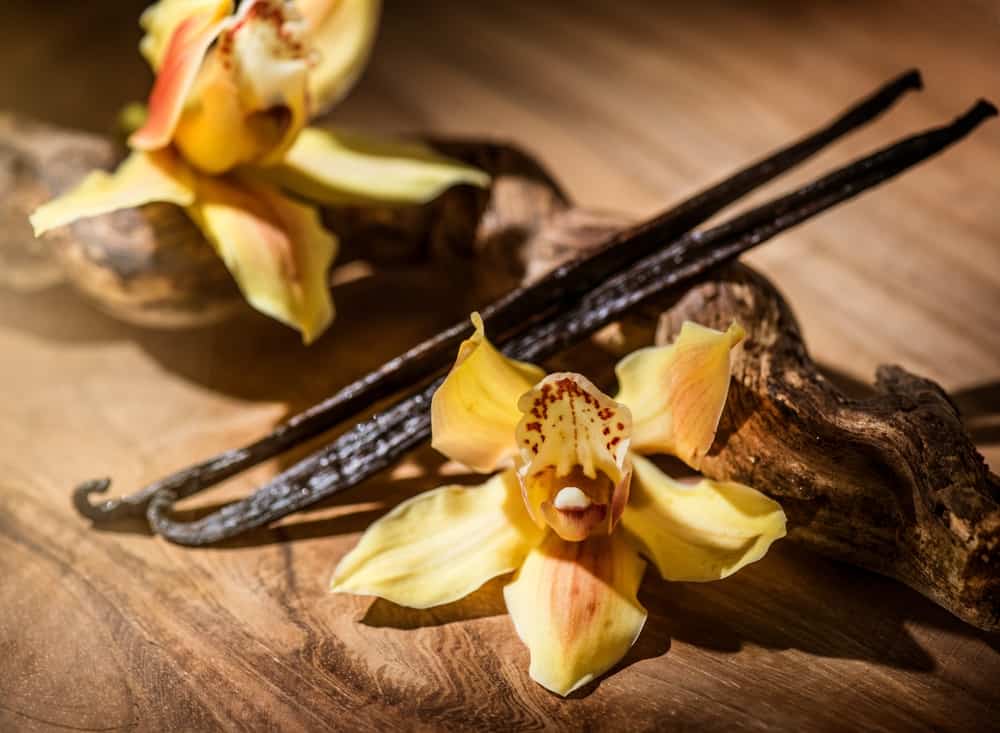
point(578, 506)
point(574, 470)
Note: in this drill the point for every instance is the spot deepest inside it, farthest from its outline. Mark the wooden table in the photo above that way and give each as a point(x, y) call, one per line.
point(633, 105)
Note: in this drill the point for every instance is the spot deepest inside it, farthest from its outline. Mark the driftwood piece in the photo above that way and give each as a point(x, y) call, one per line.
point(147, 266)
point(890, 481)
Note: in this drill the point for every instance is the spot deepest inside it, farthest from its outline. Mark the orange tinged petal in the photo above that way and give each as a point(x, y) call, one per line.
point(574, 605)
point(181, 61)
point(677, 392)
point(250, 100)
point(276, 249)
point(160, 20)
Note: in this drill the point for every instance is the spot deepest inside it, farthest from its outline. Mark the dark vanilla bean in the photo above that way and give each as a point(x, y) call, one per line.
point(374, 444)
point(508, 313)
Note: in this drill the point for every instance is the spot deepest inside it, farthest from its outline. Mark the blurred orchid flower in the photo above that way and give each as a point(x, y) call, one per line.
point(577, 506)
point(225, 137)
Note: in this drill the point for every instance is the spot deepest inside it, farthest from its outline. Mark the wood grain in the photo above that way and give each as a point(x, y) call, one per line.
point(633, 105)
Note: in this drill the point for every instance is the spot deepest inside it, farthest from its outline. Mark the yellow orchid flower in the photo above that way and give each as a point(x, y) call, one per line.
point(225, 137)
point(576, 506)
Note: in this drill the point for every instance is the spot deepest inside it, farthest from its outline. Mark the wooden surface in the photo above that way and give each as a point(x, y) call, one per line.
point(633, 105)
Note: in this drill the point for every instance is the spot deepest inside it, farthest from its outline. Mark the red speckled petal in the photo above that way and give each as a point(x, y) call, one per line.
point(572, 434)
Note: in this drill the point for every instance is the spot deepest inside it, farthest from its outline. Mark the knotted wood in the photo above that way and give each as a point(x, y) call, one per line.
point(889, 481)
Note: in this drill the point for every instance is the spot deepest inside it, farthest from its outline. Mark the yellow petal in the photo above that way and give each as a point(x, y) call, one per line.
point(441, 545)
point(574, 605)
point(161, 19)
point(276, 248)
point(699, 532)
point(339, 168)
point(474, 412)
point(250, 100)
point(181, 61)
point(142, 178)
point(573, 435)
point(677, 392)
point(341, 33)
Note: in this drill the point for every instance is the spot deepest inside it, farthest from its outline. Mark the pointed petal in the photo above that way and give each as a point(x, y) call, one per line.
point(183, 57)
point(441, 545)
point(142, 178)
point(677, 392)
point(160, 20)
point(474, 412)
point(250, 100)
point(574, 605)
point(699, 532)
point(573, 435)
point(276, 248)
point(341, 168)
point(341, 33)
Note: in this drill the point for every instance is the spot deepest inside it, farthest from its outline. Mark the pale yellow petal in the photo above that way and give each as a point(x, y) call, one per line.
point(276, 249)
point(250, 100)
point(573, 435)
point(474, 412)
point(345, 168)
point(702, 531)
point(160, 20)
point(441, 545)
point(574, 605)
point(677, 392)
point(341, 34)
point(142, 178)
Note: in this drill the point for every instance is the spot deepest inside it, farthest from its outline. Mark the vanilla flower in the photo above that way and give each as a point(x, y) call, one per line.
point(578, 506)
point(225, 138)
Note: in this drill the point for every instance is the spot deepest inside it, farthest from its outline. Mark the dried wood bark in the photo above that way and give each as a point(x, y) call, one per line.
point(148, 266)
point(891, 481)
